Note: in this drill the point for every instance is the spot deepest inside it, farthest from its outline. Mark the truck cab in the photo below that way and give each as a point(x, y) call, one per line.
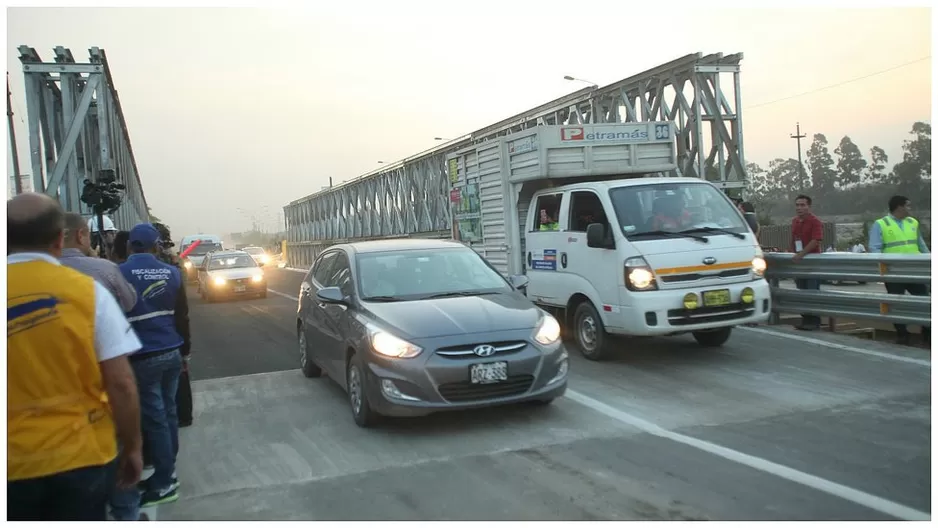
point(609, 238)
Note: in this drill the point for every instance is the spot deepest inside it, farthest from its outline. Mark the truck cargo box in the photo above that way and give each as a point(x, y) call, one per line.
point(484, 176)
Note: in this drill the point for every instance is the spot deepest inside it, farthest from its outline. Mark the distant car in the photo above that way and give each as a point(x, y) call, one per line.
point(259, 254)
point(230, 274)
point(411, 327)
point(193, 261)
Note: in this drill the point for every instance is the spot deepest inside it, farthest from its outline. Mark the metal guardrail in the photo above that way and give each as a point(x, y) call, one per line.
point(860, 267)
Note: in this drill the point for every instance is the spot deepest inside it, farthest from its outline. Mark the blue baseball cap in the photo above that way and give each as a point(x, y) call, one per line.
point(144, 236)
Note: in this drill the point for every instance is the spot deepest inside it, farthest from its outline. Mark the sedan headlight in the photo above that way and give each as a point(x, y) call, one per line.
point(393, 346)
point(257, 278)
point(219, 281)
point(548, 331)
point(187, 265)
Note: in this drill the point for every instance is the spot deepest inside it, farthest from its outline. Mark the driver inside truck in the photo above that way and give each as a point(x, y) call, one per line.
point(669, 213)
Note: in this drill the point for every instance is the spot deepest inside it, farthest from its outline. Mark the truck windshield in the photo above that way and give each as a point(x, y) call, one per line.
point(203, 249)
point(652, 211)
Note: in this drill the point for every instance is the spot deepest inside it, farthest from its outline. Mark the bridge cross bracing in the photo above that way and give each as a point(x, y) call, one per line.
point(77, 130)
point(699, 93)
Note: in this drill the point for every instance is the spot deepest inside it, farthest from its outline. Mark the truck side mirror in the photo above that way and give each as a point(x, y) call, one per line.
point(596, 237)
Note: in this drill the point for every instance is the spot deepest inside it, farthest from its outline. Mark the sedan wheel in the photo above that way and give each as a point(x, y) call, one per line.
point(358, 397)
point(310, 369)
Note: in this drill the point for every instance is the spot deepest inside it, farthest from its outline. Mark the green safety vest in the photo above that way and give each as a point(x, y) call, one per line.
point(896, 240)
point(550, 227)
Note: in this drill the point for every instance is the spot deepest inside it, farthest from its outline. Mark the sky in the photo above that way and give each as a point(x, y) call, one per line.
point(234, 112)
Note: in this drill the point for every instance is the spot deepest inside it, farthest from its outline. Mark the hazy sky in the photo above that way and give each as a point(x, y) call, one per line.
point(246, 108)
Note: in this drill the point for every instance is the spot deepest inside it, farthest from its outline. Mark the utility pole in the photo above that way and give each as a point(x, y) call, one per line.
point(18, 185)
point(797, 136)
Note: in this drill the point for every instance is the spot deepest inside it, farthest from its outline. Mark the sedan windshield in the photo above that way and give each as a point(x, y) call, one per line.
point(686, 209)
point(254, 251)
point(231, 262)
point(421, 274)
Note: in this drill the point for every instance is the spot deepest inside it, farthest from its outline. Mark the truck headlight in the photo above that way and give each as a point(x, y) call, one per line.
point(187, 265)
point(219, 281)
point(548, 331)
point(393, 346)
point(638, 275)
point(758, 266)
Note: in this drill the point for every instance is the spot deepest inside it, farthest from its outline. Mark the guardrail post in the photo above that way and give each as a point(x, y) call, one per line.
point(774, 317)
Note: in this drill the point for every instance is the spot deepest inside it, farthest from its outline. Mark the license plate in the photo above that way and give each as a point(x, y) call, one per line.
point(488, 372)
point(716, 298)
point(239, 289)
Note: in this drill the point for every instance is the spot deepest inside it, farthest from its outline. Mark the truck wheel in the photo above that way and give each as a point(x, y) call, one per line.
point(713, 338)
point(589, 333)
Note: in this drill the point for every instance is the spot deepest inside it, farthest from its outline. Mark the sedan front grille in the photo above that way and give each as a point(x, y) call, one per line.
point(464, 391)
point(501, 347)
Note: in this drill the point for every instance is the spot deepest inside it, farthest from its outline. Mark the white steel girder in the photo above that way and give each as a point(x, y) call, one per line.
point(77, 129)
point(411, 196)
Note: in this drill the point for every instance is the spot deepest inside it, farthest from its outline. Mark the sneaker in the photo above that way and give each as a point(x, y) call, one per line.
point(144, 485)
point(156, 497)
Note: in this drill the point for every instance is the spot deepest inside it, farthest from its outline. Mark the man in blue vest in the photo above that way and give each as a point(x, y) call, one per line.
point(899, 233)
point(161, 321)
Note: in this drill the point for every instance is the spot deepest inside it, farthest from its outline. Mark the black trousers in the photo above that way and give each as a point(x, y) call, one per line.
point(76, 495)
point(921, 290)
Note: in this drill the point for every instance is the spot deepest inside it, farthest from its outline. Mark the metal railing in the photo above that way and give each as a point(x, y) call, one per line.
point(859, 267)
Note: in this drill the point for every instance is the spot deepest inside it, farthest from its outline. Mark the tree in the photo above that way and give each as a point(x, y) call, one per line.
point(875, 172)
point(757, 181)
point(783, 180)
point(850, 163)
point(821, 165)
point(153, 217)
point(918, 150)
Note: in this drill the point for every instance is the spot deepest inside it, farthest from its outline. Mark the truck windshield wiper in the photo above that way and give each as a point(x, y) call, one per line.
point(714, 230)
point(671, 234)
point(382, 298)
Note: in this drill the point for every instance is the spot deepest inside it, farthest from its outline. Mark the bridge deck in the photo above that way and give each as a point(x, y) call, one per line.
point(769, 427)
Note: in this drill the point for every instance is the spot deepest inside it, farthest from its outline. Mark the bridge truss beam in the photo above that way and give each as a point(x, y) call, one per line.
point(699, 93)
point(77, 130)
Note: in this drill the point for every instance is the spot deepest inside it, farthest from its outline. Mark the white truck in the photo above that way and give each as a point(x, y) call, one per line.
point(605, 242)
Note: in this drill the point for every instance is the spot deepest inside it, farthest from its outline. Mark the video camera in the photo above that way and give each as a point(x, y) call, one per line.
point(104, 197)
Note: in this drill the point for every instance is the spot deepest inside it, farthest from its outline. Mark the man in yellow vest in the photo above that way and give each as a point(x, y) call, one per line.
point(899, 233)
point(71, 393)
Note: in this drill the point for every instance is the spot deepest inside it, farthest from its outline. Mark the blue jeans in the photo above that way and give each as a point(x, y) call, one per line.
point(809, 284)
point(125, 503)
point(157, 382)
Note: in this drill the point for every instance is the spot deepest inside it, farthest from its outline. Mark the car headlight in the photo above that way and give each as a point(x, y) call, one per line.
point(548, 331)
point(638, 275)
point(257, 278)
point(187, 265)
point(219, 281)
point(393, 346)
point(758, 266)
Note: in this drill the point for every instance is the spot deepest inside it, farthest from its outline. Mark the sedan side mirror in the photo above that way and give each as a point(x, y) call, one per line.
point(331, 295)
point(519, 282)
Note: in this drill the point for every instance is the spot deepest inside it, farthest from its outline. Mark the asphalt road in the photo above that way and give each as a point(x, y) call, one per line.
point(774, 426)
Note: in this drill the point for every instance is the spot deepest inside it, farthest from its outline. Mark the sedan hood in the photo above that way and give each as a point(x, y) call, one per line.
point(457, 315)
point(235, 273)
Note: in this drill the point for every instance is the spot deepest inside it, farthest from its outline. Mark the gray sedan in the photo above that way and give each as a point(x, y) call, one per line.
point(412, 327)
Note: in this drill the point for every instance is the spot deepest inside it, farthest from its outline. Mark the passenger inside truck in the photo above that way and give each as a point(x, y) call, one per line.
point(548, 209)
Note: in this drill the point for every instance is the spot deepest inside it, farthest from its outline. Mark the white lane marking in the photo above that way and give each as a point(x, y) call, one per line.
point(288, 296)
point(298, 270)
point(838, 346)
point(861, 498)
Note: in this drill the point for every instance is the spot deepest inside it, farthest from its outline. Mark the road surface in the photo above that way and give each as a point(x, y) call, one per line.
point(776, 425)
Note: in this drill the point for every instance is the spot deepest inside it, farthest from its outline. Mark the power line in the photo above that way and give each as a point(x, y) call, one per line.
point(840, 83)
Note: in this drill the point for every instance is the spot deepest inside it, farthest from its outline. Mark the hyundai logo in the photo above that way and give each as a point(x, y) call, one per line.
point(709, 261)
point(484, 350)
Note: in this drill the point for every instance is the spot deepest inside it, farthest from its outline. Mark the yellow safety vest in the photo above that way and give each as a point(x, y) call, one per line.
point(899, 240)
point(58, 418)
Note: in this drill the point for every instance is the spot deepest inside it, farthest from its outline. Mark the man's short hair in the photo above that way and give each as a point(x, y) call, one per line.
point(896, 202)
point(74, 222)
point(805, 197)
point(36, 232)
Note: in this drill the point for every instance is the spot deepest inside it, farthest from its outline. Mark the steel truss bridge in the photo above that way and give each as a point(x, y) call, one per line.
point(77, 131)
point(699, 93)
